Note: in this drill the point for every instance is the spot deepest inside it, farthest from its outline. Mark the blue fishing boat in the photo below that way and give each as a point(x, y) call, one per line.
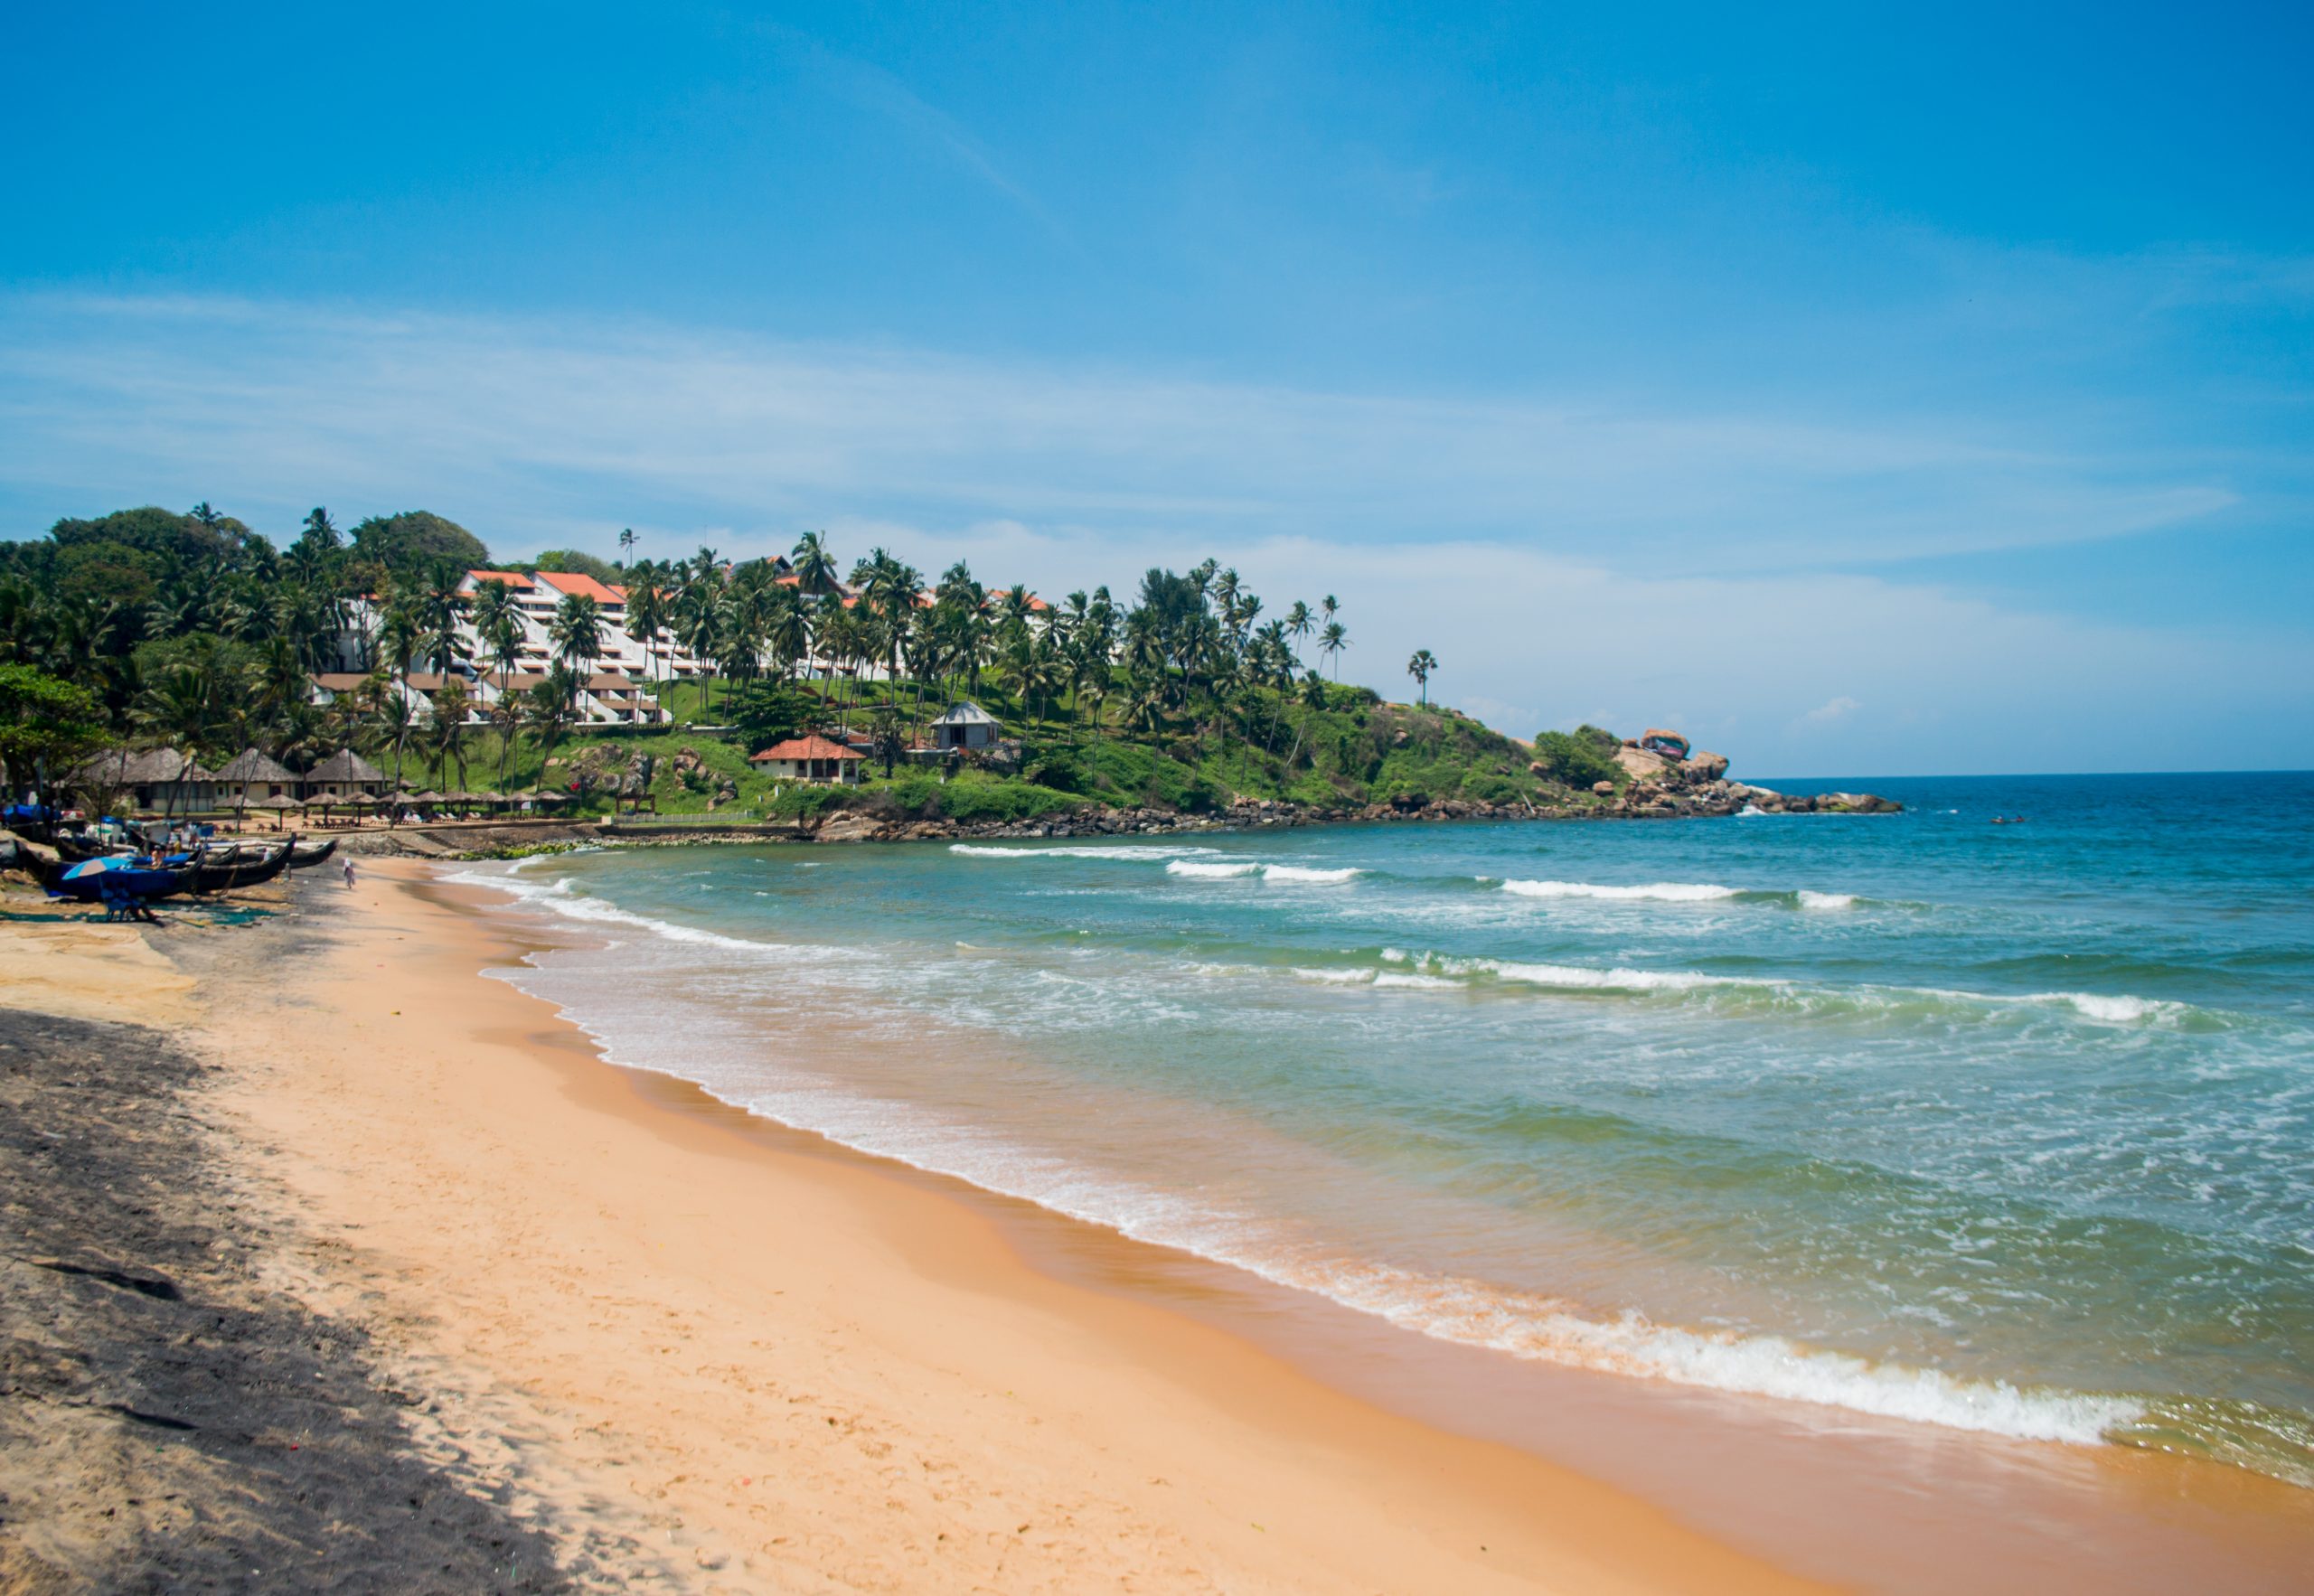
point(111, 879)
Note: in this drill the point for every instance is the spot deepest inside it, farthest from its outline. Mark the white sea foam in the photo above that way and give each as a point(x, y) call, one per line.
point(1206, 869)
point(1308, 874)
point(1546, 1330)
point(1682, 892)
point(1826, 900)
point(1232, 869)
point(558, 898)
point(2113, 1009)
point(1409, 979)
point(1118, 854)
point(1581, 978)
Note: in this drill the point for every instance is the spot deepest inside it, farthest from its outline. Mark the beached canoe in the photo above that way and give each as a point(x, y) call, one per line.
point(305, 856)
point(95, 880)
point(238, 867)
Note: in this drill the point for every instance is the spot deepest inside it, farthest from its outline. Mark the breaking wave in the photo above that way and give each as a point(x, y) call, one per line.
point(1232, 869)
point(1674, 892)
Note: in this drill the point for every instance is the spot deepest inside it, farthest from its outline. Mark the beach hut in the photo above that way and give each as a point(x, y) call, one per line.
point(160, 781)
point(345, 774)
point(963, 726)
point(810, 759)
point(250, 777)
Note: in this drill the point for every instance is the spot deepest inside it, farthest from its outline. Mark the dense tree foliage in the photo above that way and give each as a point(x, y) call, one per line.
point(401, 546)
point(193, 630)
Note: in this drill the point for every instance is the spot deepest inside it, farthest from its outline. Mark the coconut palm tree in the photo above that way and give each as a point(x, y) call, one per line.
point(547, 709)
point(1420, 667)
point(577, 632)
point(397, 719)
point(1331, 641)
point(815, 566)
point(647, 613)
point(787, 630)
point(447, 734)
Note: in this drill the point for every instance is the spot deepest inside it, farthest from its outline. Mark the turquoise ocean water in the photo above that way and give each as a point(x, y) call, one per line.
point(2003, 1128)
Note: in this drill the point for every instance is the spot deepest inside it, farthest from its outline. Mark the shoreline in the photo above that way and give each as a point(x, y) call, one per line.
point(623, 1291)
point(1207, 1461)
point(1832, 1493)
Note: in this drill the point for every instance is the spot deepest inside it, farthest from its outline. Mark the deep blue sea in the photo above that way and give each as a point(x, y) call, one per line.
point(2001, 1127)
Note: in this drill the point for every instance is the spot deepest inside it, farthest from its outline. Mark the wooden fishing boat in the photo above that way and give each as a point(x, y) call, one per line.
point(305, 856)
point(237, 868)
point(96, 880)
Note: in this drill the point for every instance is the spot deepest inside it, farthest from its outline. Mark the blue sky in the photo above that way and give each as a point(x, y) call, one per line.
point(1867, 394)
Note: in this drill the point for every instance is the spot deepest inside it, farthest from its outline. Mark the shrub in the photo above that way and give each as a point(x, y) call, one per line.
point(1576, 758)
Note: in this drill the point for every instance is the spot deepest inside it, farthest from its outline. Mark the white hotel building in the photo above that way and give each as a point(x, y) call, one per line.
point(618, 689)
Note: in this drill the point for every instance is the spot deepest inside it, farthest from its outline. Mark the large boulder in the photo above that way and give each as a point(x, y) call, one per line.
point(848, 826)
point(1704, 767)
point(1642, 765)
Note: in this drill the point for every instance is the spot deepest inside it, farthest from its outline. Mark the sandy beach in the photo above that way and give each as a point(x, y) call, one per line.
point(654, 1341)
point(687, 1354)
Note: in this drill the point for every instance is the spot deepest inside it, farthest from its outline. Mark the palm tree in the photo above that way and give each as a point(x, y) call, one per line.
point(816, 568)
point(1331, 641)
point(646, 612)
point(625, 546)
point(397, 719)
point(577, 632)
point(180, 708)
point(1420, 667)
point(547, 708)
point(440, 607)
point(788, 630)
point(889, 591)
point(448, 732)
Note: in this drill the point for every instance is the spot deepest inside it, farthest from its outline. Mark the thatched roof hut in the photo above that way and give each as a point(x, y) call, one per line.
point(345, 774)
point(148, 778)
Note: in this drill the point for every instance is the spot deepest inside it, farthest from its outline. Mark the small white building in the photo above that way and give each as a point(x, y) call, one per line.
point(810, 759)
point(966, 726)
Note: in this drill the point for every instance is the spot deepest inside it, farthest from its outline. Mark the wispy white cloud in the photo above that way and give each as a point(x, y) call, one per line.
point(717, 426)
point(1567, 557)
point(1829, 713)
point(874, 90)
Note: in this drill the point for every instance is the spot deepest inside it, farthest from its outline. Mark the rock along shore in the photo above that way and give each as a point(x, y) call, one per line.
point(1697, 788)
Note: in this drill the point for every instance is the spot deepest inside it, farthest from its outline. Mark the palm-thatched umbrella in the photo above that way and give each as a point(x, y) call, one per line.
point(280, 804)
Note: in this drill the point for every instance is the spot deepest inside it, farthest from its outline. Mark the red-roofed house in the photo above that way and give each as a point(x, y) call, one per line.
point(810, 759)
point(578, 583)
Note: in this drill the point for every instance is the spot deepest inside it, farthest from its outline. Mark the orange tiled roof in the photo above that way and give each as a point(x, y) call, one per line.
point(512, 579)
point(576, 582)
point(804, 748)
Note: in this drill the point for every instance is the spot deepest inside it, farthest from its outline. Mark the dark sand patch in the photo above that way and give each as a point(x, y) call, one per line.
point(167, 1421)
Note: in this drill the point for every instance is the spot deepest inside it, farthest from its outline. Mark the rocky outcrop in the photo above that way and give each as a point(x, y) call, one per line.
point(1640, 765)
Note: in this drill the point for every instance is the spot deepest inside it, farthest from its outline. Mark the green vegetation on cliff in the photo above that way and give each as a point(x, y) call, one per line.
point(194, 631)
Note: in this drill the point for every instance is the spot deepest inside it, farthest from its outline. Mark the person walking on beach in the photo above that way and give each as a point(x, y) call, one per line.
point(349, 872)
